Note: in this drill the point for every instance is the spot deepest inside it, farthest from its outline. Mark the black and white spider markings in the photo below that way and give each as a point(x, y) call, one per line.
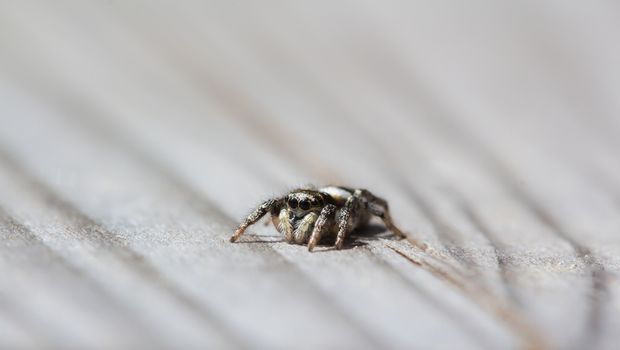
point(305, 215)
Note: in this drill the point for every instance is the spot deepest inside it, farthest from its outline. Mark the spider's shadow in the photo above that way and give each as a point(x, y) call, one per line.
point(265, 239)
point(358, 238)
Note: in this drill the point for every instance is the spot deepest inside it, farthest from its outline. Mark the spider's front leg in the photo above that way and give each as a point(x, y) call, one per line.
point(327, 213)
point(344, 222)
point(272, 205)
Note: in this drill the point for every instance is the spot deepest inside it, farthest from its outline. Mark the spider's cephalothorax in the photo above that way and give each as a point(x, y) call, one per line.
point(306, 215)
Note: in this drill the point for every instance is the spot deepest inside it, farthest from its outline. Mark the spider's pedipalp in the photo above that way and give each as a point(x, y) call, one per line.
point(304, 228)
point(283, 225)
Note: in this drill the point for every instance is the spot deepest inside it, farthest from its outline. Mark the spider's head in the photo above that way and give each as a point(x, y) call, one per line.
point(302, 202)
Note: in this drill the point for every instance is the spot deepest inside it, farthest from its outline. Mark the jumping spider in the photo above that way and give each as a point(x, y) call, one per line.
point(306, 215)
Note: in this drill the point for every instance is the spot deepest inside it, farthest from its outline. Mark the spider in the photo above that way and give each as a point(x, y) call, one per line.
point(305, 215)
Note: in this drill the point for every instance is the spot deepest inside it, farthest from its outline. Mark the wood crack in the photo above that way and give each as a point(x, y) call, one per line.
point(531, 339)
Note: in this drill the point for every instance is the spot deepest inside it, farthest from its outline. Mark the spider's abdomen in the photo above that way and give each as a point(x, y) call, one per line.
point(337, 194)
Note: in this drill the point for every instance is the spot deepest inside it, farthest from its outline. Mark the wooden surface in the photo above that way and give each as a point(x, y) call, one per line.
point(134, 135)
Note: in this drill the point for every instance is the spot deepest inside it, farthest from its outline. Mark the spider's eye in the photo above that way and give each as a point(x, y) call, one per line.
point(292, 203)
point(304, 204)
point(315, 202)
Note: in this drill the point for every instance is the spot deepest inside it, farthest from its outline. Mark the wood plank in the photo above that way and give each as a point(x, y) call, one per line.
point(135, 136)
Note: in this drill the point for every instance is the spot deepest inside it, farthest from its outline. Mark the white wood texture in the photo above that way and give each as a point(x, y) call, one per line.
point(135, 135)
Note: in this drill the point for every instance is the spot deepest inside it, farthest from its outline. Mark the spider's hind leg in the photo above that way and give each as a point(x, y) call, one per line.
point(379, 207)
point(271, 205)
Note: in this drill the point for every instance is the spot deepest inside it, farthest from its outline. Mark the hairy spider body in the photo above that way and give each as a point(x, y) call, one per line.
point(305, 216)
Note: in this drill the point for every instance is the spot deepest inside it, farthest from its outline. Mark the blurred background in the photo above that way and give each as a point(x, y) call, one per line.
point(134, 135)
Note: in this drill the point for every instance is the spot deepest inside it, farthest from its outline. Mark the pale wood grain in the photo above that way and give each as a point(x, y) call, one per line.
point(135, 135)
